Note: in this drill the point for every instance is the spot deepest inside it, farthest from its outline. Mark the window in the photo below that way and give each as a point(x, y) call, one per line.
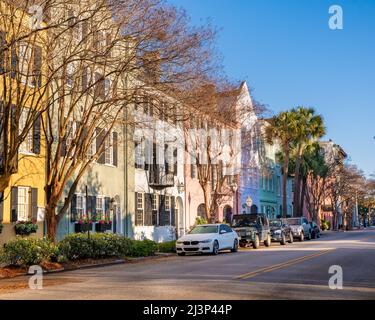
point(139, 212)
point(25, 62)
point(139, 154)
point(91, 151)
point(100, 207)
point(70, 74)
point(70, 132)
point(167, 203)
point(109, 150)
point(80, 206)
point(27, 143)
point(23, 203)
point(107, 87)
point(155, 202)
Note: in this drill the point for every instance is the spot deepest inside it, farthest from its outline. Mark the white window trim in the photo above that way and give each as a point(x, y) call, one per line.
point(27, 203)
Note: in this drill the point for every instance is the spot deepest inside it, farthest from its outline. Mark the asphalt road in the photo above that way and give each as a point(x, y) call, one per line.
point(297, 271)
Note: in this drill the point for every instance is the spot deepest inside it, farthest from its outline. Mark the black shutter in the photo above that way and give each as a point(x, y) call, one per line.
point(107, 202)
point(100, 145)
point(115, 148)
point(175, 162)
point(1, 206)
point(34, 204)
point(14, 202)
point(91, 208)
point(36, 134)
point(148, 210)
point(173, 213)
point(73, 209)
point(162, 210)
point(14, 60)
point(37, 81)
point(3, 51)
point(64, 150)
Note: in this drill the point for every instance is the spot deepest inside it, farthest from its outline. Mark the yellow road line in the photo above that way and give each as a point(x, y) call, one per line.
point(282, 265)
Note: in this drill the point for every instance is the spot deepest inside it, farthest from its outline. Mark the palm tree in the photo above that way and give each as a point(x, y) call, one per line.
point(283, 128)
point(310, 127)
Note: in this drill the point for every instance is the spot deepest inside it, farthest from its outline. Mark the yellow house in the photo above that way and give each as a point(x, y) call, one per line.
point(22, 87)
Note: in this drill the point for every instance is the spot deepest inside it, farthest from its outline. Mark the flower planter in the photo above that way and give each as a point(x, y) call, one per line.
point(103, 227)
point(82, 227)
point(25, 228)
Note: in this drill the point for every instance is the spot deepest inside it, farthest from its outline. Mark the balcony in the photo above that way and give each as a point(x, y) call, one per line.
point(159, 179)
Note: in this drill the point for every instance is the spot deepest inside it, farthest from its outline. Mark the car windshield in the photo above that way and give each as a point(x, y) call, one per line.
point(294, 222)
point(204, 230)
point(275, 223)
point(245, 221)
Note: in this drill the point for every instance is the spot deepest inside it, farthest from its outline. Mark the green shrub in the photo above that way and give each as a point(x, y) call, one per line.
point(143, 248)
point(200, 221)
point(167, 247)
point(99, 245)
point(26, 252)
point(325, 225)
point(25, 228)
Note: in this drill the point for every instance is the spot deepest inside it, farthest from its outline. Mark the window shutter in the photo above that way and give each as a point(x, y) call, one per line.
point(36, 134)
point(73, 209)
point(34, 204)
point(175, 162)
point(148, 210)
point(115, 149)
point(14, 206)
point(91, 207)
point(37, 66)
point(1, 206)
point(107, 202)
point(162, 210)
point(3, 52)
point(14, 60)
point(100, 135)
point(173, 215)
point(63, 144)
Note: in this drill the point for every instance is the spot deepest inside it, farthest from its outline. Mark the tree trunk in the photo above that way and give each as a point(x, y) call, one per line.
point(52, 224)
point(285, 177)
point(207, 198)
point(302, 199)
point(297, 185)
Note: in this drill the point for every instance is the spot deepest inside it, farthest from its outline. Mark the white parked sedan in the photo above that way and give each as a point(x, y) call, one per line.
point(208, 238)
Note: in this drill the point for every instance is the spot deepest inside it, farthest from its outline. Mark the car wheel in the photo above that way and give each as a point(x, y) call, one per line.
point(267, 243)
point(291, 238)
point(256, 242)
point(181, 254)
point(302, 237)
point(215, 248)
point(283, 240)
point(235, 246)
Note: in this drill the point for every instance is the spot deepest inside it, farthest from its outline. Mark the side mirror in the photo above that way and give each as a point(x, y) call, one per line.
point(222, 232)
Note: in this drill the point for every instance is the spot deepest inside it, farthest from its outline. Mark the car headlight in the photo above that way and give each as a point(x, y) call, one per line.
point(180, 242)
point(206, 241)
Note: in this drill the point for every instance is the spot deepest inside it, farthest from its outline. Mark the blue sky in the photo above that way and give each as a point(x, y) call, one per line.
point(289, 56)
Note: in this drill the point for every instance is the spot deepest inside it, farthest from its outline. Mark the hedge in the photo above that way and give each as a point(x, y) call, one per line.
point(26, 252)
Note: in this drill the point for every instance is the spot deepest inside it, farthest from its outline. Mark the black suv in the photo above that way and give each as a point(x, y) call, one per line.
point(252, 229)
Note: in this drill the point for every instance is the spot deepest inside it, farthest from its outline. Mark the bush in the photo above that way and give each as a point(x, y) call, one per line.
point(200, 221)
point(167, 247)
point(27, 252)
point(325, 225)
point(143, 248)
point(99, 245)
point(25, 228)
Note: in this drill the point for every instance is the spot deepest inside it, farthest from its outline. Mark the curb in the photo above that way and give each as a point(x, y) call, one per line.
point(99, 265)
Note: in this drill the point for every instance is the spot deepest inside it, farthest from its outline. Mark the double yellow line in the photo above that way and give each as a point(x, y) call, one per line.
point(282, 265)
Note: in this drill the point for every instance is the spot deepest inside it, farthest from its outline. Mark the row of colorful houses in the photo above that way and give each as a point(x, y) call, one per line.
point(147, 183)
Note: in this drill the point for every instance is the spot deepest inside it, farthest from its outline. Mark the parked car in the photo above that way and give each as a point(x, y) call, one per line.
point(301, 228)
point(252, 229)
point(208, 238)
point(315, 230)
point(281, 232)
